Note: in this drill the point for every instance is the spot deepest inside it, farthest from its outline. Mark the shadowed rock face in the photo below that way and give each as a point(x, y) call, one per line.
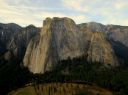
point(14, 40)
point(118, 33)
point(59, 39)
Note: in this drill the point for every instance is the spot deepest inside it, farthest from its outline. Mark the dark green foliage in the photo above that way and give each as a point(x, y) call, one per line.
point(121, 51)
point(120, 82)
point(12, 76)
point(77, 70)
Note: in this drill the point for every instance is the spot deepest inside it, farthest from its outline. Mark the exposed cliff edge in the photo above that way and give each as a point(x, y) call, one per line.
point(100, 50)
point(14, 40)
point(60, 39)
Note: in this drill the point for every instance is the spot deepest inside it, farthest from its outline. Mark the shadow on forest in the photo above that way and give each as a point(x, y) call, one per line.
point(121, 51)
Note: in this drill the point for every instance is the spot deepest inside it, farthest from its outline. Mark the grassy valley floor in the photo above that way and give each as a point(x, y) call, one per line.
point(61, 89)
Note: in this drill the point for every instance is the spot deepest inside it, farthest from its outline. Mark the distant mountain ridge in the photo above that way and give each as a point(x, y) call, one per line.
point(63, 51)
point(61, 38)
point(14, 39)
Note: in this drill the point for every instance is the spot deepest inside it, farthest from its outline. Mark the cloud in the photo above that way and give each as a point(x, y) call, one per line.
point(25, 15)
point(121, 4)
point(26, 12)
point(76, 18)
point(118, 21)
point(76, 5)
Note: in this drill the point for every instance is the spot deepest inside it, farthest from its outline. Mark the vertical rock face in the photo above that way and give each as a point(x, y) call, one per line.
point(7, 32)
point(118, 37)
point(59, 39)
point(14, 40)
point(100, 50)
point(97, 46)
point(118, 33)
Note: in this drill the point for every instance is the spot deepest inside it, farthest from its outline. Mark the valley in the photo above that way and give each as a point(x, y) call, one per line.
point(63, 57)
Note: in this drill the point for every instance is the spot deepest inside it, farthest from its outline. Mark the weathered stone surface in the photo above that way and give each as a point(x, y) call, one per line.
point(96, 27)
point(100, 50)
point(13, 43)
point(113, 32)
point(15, 39)
point(59, 39)
point(118, 33)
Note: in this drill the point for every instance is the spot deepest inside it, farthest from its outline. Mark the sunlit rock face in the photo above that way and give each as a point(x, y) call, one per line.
point(98, 48)
point(101, 51)
point(59, 39)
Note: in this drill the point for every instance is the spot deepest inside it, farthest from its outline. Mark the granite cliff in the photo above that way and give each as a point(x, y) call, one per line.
point(100, 50)
point(61, 39)
point(14, 40)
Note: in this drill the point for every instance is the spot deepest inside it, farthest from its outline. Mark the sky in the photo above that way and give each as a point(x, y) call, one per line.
point(25, 12)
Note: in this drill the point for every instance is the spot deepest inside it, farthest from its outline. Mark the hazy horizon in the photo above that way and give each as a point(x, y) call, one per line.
point(26, 12)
